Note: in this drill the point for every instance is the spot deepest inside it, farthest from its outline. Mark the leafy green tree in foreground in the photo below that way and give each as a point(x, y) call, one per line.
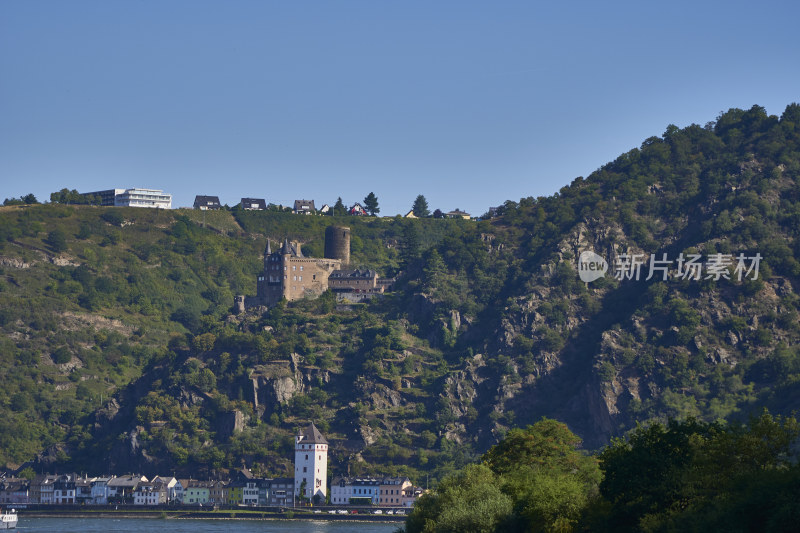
point(534, 480)
point(702, 476)
point(420, 207)
point(371, 204)
point(468, 501)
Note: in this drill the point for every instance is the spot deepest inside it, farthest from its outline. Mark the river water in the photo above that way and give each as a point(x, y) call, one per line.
point(120, 525)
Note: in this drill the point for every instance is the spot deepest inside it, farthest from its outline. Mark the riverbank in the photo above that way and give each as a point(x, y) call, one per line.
point(119, 524)
point(244, 514)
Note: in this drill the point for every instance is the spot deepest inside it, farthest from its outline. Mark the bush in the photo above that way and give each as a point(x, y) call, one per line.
point(113, 217)
point(62, 356)
point(56, 240)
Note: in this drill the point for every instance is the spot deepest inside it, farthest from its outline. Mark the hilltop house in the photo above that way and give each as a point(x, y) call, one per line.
point(304, 207)
point(254, 204)
point(206, 202)
point(357, 210)
point(457, 213)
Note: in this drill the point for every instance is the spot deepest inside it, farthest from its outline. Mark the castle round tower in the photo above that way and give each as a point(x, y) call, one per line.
point(337, 243)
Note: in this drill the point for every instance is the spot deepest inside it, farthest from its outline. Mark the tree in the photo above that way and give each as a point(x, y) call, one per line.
point(371, 204)
point(434, 270)
point(468, 501)
point(665, 474)
point(547, 443)
point(22, 200)
point(57, 240)
point(438, 214)
point(66, 196)
point(411, 243)
point(113, 217)
point(420, 207)
point(27, 473)
point(549, 480)
point(339, 207)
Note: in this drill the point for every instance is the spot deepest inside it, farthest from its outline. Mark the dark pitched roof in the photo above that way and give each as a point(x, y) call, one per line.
point(311, 435)
point(210, 202)
point(254, 203)
point(304, 205)
point(351, 274)
point(357, 209)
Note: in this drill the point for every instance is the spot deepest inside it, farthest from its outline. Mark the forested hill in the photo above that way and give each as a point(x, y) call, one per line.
point(119, 351)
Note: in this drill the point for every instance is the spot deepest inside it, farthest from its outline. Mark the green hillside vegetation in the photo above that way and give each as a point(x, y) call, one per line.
point(120, 352)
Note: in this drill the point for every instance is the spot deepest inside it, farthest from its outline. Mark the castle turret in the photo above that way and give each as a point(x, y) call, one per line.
point(267, 253)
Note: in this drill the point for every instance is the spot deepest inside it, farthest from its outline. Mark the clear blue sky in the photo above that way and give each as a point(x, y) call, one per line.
point(469, 103)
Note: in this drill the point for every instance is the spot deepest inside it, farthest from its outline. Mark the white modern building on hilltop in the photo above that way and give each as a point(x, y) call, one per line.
point(135, 197)
point(311, 464)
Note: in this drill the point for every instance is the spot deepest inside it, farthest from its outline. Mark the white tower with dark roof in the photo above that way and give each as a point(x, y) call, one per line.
point(311, 463)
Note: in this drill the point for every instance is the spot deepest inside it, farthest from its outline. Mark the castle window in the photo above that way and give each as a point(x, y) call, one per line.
point(294, 267)
point(301, 268)
point(301, 278)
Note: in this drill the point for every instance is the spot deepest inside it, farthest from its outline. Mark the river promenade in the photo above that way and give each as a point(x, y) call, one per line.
point(328, 514)
point(193, 525)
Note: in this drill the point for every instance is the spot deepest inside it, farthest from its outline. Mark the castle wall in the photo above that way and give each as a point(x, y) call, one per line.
point(306, 277)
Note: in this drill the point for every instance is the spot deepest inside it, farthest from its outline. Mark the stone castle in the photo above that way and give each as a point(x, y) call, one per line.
point(289, 274)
